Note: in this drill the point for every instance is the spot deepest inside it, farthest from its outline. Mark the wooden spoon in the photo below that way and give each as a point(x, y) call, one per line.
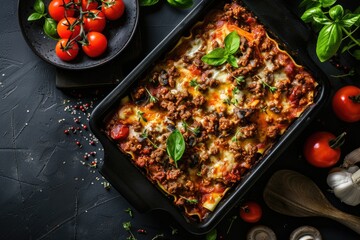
point(293, 194)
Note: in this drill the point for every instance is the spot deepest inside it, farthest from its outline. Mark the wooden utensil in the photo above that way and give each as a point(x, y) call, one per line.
point(293, 194)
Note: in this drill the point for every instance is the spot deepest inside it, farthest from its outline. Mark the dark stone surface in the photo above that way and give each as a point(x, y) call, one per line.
point(49, 191)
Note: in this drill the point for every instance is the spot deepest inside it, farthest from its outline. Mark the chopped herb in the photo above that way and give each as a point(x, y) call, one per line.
point(227, 101)
point(185, 125)
point(174, 231)
point(236, 136)
point(264, 108)
point(145, 135)
point(350, 73)
point(192, 201)
point(235, 90)
point(152, 98)
point(232, 101)
point(271, 88)
point(130, 212)
point(127, 227)
point(141, 116)
point(194, 83)
point(239, 79)
point(233, 218)
point(158, 236)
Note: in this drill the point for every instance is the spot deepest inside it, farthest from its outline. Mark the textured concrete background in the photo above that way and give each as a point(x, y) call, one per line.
point(49, 188)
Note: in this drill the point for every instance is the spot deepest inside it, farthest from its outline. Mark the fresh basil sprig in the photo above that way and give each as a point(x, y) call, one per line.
point(148, 2)
point(183, 4)
point(175, 146)
point(336, 27)
point(219, 56)
point(49, 23)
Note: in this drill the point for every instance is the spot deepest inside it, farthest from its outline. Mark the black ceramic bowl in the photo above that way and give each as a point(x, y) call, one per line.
point(134, 186)
point(118, 33)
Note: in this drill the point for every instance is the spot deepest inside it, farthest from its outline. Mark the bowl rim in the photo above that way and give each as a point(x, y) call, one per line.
point(99, 62)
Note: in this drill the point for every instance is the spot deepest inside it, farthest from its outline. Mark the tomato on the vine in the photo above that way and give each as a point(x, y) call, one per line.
point(95, 44)
point(250, 212)
point(322, 149)
point(68, 28)
point(346, 103)
point(66, 50)
point(94, 21)
point(119, 132)
point(59, 9)
point(87, 5)
point(113, 9)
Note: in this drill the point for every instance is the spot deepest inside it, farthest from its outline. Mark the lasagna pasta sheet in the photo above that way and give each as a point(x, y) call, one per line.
point(229, 116)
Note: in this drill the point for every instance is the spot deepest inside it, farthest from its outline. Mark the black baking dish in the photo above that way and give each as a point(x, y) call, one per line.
point(134, 186)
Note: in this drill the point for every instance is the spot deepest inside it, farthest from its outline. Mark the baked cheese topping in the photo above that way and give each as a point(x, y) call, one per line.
point(229, 116)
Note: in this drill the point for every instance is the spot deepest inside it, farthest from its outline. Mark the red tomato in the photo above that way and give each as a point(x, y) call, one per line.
point(94, 21)
point(318, 149)
point(250, 212)
point(87, 5)
point(68, 28)
point(113, 9)
point(119, 132)
point(346, 103)
point(59, 9)
point(66, 50)
point(96, 44)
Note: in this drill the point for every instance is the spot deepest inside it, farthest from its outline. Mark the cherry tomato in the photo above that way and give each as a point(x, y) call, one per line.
point(66, 50)
point(113, 9)
point(250, 212)
point(87, 5)
point(346, 103)
point(94, 21)
point(119, 132)
point(96, 44)
point(68, 28)
point(322, 149)
point(59, 9)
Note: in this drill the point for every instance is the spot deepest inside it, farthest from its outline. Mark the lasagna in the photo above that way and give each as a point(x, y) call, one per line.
point(228, 110)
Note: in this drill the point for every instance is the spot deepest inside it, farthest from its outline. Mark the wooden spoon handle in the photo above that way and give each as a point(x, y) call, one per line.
point(348, 220)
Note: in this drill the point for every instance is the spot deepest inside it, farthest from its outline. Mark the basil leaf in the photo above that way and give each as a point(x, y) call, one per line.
point(309, 4)
point(215, 58)
point(232, 60)
point(327, 3)
point(350, 19)
point(39, 6)
point(232, 42)
point(356, 54)
point(309, 14)
point(323, 20)
point(50, 27)
point(148, 2)
point(212, 235)
point(328, 41)
point(181, 3)
point(175, 146)
point(336, 12)
point(34, 16)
